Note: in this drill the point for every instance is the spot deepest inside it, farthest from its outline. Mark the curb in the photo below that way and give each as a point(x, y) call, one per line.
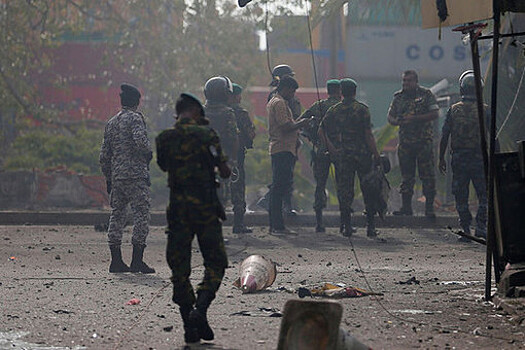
point(330, 219)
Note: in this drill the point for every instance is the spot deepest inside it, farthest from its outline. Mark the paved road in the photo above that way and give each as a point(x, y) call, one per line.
point(57, 291)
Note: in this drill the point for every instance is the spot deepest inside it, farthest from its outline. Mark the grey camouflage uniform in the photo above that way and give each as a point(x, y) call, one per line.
point(124, 159)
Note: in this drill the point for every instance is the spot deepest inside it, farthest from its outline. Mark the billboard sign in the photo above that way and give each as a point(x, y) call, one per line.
point(377, 52)
point(459, 12)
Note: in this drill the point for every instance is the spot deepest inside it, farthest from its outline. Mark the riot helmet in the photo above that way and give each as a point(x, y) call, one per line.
point(280, 71)
point(467, 84)
point(218, 89)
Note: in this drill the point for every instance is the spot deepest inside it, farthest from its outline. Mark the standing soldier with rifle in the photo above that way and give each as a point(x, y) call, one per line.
point(347, 131)
point(222, 119)
point(190, 153)
point(320, 156)
point(246, 136)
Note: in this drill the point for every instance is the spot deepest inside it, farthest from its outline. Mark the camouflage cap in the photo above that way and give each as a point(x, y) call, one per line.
point(194, 98)
point(333, 82)
point(237, 89)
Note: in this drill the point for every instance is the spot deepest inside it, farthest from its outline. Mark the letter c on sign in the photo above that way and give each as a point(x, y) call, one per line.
point(436, 52)
point(413, 52)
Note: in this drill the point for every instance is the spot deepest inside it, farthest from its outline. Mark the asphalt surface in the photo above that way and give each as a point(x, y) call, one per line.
point(56, 292)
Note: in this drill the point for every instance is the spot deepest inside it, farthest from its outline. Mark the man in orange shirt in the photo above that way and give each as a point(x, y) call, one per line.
point(284, 138)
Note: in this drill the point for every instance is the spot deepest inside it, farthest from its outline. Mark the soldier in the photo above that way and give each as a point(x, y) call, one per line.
point(246, 136)
point(347, 130)
point(222, 119)
point(413, 109)
point(462, 126)
point(124, 158)
point(320, 156)
point(284, 137)
point(190, 152)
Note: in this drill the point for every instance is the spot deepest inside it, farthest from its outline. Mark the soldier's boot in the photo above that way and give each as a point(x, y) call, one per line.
point(117, 265)
point(347, 228)
point(466, 230)
point(319, 220)
point(429, 207)
point(371, 231)
point(198, 315)
point(406, 207)
point(243, 3)
point(238, 223)
point(287, 206)
point(137, 264)
point(191, 335)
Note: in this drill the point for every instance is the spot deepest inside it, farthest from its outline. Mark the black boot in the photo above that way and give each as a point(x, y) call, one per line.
point(429, 207)
point(191, 335)
point(117, 265)
point(371, 231)
point(406, 208)
point(137, 264)
point(238, 223)
point(346, 225)
point(319, 219)
point(198, 315)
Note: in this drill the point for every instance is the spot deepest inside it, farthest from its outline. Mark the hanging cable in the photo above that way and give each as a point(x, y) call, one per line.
point(512, 105)
point(267, 40)
point(308, 14)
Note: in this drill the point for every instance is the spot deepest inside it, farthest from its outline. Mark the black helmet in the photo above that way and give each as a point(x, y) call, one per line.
point(467, 84)
point(217, 89)
point(282, 70)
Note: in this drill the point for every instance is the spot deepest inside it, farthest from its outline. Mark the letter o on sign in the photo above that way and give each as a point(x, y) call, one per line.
point(436, 52)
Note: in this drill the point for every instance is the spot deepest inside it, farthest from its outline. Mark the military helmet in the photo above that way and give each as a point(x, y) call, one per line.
point(467, 84)
point(218, 89)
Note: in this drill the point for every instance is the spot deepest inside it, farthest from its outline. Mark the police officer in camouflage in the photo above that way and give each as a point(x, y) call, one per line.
point(347, 131)
point(414, 109)
point(462, 127)
point(190, 153)
point(320, 157)
point(246, 136)
point(222, 119)
point(124, 158)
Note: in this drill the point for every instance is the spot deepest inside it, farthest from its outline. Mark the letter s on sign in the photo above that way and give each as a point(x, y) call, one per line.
point(413, 52)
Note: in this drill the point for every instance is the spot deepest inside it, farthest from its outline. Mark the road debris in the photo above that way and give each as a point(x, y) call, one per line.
point(133, 301)
point(256, 273)
point(411, 280)
point(330, 290)
point(260, 312)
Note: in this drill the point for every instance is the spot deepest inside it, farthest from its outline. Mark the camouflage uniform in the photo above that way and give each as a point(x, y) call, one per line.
point(124, 158)
point(320, 157)
point(345, 125)
point(246, 135)
point(415, 140)
point(462, 126)
point(223, 121)
point(186, 153)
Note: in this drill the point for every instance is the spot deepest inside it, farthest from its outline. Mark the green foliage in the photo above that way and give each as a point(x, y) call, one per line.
point(43, 149)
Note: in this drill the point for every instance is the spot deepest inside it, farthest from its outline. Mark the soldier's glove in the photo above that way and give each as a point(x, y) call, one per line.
point(108, 186)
